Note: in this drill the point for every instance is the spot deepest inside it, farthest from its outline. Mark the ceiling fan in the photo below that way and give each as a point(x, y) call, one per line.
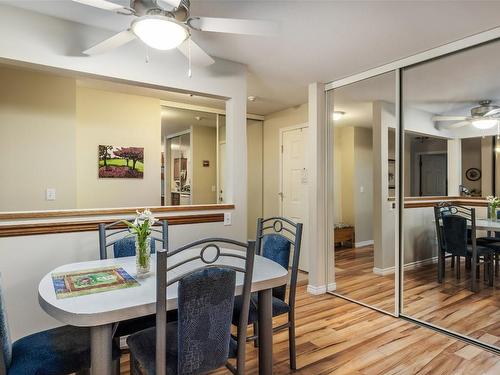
point(485, 116)
point(167, 24)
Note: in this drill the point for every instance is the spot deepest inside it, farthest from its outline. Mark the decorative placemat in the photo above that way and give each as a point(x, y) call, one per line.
point(80, 283)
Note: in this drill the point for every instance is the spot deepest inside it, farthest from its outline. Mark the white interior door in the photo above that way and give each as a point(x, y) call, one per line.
point(294, 180)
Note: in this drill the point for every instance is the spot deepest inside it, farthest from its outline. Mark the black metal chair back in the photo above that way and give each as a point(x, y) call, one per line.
point(182, 260)
point(458, 228)
point(441, 209)
point(114, 233)
point(285, 231)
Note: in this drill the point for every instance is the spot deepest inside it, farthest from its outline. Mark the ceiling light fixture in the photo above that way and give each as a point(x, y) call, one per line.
point(337, 115)
point(484, 123)
point(160, 32)
point(252, 98)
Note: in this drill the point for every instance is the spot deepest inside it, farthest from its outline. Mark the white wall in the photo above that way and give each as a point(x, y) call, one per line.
point(38, 39)
point(272, 125)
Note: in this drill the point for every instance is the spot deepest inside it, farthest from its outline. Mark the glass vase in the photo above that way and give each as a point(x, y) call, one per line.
point(493, 214)
point(142, 255)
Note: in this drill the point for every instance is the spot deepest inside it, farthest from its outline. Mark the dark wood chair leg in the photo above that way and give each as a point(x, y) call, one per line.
point(452, 261)
point(458, 268)
point(497, 265)
point(291, 344)
point(256, 334)
point(468, 262)
point(491, 272)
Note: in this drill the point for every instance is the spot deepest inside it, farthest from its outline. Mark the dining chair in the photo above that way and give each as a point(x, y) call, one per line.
point(58, 351)
point(492, 241)
point(123, 244)
point(457, 241)
point(200, 341)
point(275, 238)
point(117, 240)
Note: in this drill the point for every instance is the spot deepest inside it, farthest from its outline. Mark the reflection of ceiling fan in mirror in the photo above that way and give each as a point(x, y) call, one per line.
point(485, 116)
point(167, 24)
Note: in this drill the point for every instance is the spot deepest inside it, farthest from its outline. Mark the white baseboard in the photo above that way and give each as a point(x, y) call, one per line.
point(407, 266)
point(363, 243)
point(321, 289)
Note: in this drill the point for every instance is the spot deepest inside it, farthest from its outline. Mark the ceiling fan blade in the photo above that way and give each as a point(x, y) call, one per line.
point(233, 26)
point(101, 4)
point(449, 118)
point(198, 56)
point(456, 125)
point(115, 41)
point(492, 112)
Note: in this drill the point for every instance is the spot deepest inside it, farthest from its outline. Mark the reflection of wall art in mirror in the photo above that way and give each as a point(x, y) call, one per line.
point(392, 173)
point(473, 174)
point(121, 162)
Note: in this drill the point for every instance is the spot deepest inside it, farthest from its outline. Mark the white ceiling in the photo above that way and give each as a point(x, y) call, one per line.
point(318, 40)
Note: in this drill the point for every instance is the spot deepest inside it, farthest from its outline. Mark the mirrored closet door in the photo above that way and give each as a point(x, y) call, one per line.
point(362, 175)
point(450, 116)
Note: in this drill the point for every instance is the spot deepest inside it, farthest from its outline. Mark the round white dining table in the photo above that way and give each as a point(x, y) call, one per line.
point(99, 311)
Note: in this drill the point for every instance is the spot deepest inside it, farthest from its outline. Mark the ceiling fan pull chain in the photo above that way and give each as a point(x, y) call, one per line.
point(189, 58)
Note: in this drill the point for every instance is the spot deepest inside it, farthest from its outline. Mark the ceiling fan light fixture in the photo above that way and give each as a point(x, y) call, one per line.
point(484, 123)
point(160, 32)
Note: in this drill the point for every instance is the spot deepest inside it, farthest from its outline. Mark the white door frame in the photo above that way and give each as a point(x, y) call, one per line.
point(284, 130)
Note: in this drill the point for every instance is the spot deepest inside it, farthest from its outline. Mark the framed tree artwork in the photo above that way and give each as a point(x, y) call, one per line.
point(121, 162)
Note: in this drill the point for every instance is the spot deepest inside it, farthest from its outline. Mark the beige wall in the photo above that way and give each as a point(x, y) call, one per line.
point(471, 158)
point(110, 118)
point(204, 180)
point(254, 162)
point(37, 139)
point(346, 138)
point(272, 125)
point(363, 180)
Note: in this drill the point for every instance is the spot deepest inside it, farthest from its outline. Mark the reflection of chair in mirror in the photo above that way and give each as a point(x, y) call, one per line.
point(452, 225)
point(492, 241)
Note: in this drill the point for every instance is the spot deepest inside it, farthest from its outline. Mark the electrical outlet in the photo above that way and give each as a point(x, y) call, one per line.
point(227, 218)
point(50, 194)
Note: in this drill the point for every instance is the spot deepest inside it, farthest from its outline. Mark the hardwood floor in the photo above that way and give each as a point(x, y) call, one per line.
point(355, 278)
point(335, 336)
point(450, 305)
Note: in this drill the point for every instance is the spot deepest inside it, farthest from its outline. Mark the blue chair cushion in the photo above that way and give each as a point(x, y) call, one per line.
point(125, 247)
point(142, 345)
point(57, 351)
point(279, 308)
point(277, 248)
point(481, 250)
point(491, 246)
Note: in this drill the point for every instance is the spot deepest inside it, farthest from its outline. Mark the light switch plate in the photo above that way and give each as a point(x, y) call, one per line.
point(50, 194)
point(227, 218)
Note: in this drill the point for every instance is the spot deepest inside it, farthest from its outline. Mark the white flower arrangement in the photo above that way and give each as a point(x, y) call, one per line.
point(141, 227)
